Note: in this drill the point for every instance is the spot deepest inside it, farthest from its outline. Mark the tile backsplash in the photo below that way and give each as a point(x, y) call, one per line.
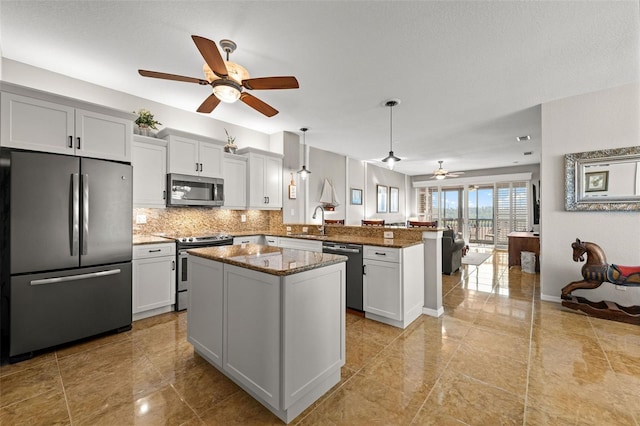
point(203, 220)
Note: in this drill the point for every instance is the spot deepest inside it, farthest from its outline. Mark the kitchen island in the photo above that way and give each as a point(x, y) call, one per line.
point(270, 319)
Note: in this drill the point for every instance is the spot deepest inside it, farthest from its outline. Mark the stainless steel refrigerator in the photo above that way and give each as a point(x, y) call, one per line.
point(69, 249)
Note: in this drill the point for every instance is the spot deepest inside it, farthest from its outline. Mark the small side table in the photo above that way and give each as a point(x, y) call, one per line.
point(523, 241)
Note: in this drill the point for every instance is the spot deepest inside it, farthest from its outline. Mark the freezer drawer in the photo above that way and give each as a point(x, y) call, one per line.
point(49, 309)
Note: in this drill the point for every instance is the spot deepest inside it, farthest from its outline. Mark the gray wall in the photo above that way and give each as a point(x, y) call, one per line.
point(594, 121)
point(325, 164)
point(357, 179)
point(383, 176)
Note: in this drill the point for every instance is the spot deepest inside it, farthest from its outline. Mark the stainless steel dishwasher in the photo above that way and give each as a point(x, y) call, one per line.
point(354, 270)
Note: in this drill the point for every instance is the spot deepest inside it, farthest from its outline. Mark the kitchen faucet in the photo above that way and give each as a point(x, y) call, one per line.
point(321, 228)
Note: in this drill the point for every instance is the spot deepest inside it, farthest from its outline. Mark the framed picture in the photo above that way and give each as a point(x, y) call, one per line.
point(381, 199)
point(356, 196)
point(394, 200)
point(597, 181)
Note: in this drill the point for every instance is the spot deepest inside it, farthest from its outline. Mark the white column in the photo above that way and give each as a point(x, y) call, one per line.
point(432, 273)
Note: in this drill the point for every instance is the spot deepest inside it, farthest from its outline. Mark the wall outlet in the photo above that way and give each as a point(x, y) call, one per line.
point(243, 218)
point(305, 229)
point(293, 212)
point(388, 234)
point(621, 288)
point(141, 218)
point(288, 229)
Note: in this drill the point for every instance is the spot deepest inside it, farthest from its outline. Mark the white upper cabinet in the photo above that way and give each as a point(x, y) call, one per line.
point(149, 160)
point(41, 123)
point(264, 178)
point(193, 155)
point(235, 181)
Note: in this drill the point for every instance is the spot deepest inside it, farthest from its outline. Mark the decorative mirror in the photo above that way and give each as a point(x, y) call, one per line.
point(606, 180)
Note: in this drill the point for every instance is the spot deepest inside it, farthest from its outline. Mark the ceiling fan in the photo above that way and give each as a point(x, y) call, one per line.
point(441, 173)
point(228, 79)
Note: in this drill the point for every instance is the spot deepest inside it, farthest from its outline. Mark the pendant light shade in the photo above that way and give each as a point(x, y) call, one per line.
point(391, 159)
point(303, 172)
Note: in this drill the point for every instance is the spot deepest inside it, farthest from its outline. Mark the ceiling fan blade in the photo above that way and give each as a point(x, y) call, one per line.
point(165, 76)
point(211, 55)
point(258, 105)
point(209, 104)
point(268, 83)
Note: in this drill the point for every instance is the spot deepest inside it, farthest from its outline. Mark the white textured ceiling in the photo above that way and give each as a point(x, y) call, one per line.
point(470, 75)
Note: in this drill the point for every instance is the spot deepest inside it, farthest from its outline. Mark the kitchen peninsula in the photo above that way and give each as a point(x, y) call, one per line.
point(271, 319)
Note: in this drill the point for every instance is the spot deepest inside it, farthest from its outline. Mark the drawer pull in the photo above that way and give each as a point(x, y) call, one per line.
point(381, 254)
point(155, 251)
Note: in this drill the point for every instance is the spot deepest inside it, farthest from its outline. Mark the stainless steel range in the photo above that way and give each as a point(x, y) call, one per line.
point(182, 272)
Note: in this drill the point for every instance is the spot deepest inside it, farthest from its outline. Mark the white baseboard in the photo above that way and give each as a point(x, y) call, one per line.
point(433, 312)
point(548, 298)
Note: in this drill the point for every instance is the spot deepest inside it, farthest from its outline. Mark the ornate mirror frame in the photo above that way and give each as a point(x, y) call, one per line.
point(576, 188)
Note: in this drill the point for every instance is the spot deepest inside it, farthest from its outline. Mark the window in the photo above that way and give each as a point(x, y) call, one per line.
point(512, 209)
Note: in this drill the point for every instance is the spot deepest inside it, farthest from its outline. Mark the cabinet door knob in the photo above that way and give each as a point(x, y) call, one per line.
point(70, 141)
point(78, 142)
point(164, 195)
point(197, 166)
point(173, 265)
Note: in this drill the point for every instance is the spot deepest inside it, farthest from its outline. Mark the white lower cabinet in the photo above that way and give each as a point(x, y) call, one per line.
point(249, 239)
point(154, 279)
point(393, 284)
point(272, 241)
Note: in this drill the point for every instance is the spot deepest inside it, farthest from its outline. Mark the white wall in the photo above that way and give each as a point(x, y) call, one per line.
point(193, 122)
point(382, 176)
point(357, 179)
point(325, 164)
point(594, 121)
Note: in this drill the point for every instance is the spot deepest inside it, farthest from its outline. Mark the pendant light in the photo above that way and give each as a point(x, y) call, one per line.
point(303, 172)
point(391, 159)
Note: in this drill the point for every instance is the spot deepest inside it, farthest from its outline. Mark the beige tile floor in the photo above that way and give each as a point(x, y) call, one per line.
point(498, 356)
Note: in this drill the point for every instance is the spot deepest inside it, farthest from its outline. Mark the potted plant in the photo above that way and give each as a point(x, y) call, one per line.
point(230, 146)
point(145, 121)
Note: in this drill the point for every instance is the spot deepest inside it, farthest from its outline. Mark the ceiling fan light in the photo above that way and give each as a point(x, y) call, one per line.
point(226, 91)
point(440, 177)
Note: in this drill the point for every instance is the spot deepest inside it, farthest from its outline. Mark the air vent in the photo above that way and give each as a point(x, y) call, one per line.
point(523, 138)
point(528, 153)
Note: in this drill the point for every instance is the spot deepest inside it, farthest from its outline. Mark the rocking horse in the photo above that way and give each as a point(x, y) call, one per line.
point(596, 271)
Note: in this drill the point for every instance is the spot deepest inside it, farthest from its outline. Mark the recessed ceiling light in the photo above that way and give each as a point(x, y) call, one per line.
point(523, 138)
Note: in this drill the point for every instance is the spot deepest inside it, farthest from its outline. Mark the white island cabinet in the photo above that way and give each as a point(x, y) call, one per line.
point(393, 284)
point(271, 319)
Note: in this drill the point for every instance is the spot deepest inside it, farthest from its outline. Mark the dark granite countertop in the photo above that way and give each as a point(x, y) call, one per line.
point(267, 259)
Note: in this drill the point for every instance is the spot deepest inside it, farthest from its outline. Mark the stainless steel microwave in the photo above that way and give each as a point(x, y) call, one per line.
point(185, 190)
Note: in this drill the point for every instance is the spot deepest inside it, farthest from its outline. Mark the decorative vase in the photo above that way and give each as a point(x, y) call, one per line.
point(230, 148)
point(143, 129)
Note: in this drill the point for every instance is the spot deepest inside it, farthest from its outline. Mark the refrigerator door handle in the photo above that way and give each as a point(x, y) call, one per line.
point(75, 214)
point(75, 277)
point(85, 213)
